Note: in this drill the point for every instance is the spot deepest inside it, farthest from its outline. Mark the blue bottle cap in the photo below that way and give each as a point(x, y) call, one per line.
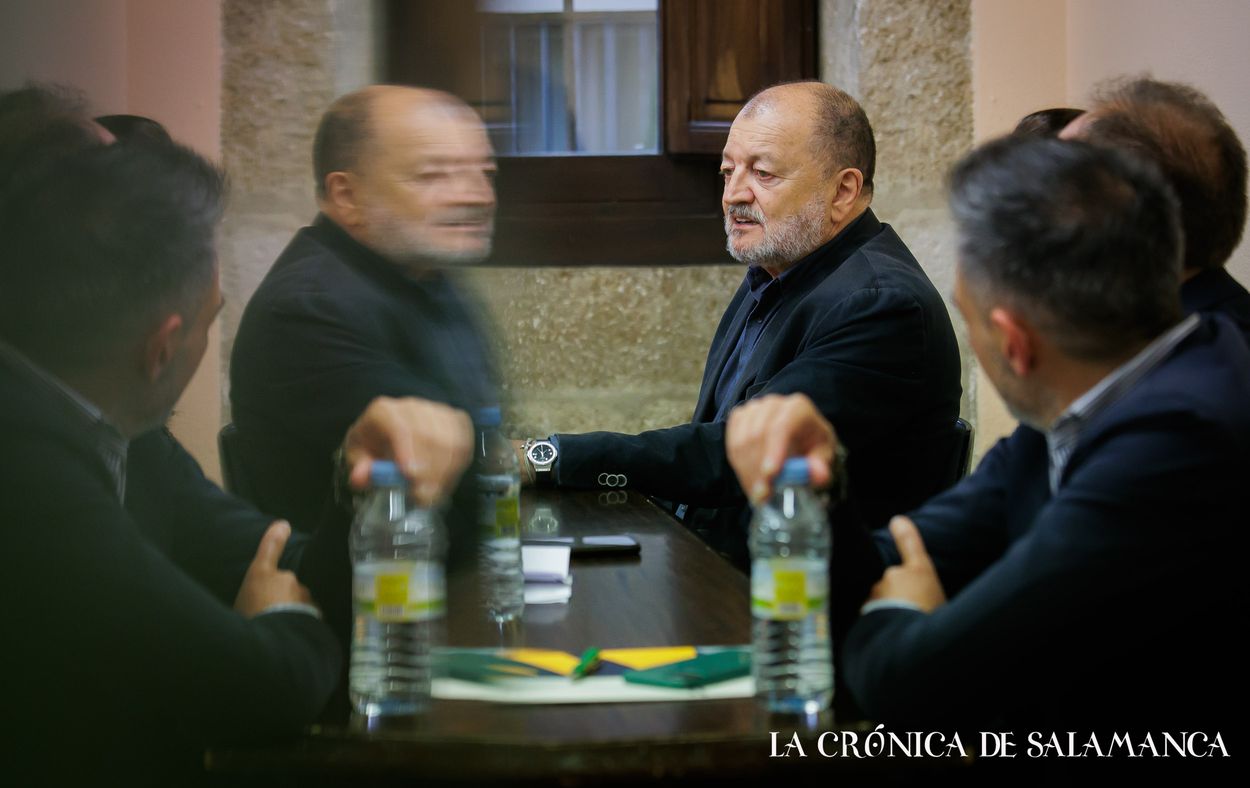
point(794, 472)
point(384, 473)
point(488, 417)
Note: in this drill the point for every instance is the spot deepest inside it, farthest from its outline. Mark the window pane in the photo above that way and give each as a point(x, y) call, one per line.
point(521, 6)
point(615, 5)
point(570, 82)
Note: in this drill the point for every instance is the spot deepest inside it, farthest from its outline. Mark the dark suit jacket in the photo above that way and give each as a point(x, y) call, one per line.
point(123, 654)
point(1109, 603)
point(860, 330)
point(1215, 291)
point(332, 326)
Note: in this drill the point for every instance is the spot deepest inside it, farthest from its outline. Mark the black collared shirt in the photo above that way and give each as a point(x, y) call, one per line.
point(767, 293)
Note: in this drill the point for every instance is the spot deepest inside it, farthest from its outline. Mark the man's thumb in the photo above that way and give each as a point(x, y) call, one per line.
point(272, 544)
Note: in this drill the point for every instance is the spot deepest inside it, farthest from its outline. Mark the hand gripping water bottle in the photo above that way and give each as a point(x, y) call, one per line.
point(790, 542)
point(400, 596)
point(499, 518)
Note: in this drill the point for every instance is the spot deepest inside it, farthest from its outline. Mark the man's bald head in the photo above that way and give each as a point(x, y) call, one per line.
point(354, 123)
point(409, 173)
point(841, 135)
point(1187, 137)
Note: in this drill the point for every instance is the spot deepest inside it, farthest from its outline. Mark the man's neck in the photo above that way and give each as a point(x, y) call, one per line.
point(102, 391)
point(1071, 378)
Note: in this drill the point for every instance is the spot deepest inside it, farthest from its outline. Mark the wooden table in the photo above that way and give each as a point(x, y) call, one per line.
point(677, 592)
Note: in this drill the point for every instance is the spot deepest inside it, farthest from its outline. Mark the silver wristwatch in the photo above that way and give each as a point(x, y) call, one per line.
point(541, 455)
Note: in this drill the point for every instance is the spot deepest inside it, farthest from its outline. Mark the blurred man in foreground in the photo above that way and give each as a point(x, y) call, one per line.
point(360, 304)
point(127, 562)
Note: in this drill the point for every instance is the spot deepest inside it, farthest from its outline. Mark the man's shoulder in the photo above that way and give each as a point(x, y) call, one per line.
point(1189, 412)
point(311, 279)
point(309, 269)
point(883, 265)
point(1208, 376)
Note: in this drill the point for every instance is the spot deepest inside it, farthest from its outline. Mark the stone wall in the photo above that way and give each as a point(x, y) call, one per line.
point(585, 348)
point(910, 66)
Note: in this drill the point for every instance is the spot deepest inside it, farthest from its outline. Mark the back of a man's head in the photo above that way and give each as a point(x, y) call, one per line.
point(1046, 123)
point(1083, 239)
point(100, 244)
point(1190, 141)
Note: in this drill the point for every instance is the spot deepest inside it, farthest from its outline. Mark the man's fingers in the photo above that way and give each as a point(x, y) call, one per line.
point(358, 479)
point(272, 544)
point(818, 467)
point(910, 545)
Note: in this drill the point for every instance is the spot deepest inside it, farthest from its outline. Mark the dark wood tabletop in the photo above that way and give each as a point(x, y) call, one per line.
point(677, 591)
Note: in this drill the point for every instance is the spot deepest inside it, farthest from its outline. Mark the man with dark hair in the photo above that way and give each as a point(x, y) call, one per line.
point(1046, 123)
point(1084, 575)
point(134, 129)
point(131, 561)
point(360, 304)
point(1187, 137)
point(106, 296)
point(38, 124)
point(833, 305)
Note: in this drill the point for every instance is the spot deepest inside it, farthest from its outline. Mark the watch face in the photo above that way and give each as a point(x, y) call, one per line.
point(542, 453)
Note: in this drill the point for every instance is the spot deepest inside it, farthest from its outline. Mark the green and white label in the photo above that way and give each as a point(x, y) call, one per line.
point(788, 589)
point(399, 591)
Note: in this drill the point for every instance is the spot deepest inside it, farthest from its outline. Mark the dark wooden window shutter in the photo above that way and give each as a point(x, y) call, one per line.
point(622, 210)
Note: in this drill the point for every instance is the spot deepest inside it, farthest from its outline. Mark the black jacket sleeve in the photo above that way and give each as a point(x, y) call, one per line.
point(108, 624)
point(1100, 588)
point(859, 360)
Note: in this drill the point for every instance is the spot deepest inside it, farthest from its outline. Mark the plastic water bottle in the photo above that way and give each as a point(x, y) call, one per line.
point(499, 518)
point(400, 594)
point(792, 659)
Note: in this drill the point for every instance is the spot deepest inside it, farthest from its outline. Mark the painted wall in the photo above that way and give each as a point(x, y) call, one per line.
point(80, 42)
point(160, 58)
point(1202, 43)
point(1019, 64)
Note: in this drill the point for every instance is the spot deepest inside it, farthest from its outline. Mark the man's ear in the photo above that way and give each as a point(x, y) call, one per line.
point(848, 186)
point(1016, 338)
point(161, 347)
point(342, 199)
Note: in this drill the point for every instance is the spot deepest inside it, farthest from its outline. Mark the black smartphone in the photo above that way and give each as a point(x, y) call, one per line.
point(612, 544)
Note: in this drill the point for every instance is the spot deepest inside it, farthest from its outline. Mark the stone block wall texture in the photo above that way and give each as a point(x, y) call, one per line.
point(598, 347)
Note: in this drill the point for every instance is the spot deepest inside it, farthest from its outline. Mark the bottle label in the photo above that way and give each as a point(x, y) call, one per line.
point(399, 591)
point(788, 589)
point(499, 505)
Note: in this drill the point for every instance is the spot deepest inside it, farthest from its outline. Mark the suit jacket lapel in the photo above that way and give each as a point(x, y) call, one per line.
point(722, 346)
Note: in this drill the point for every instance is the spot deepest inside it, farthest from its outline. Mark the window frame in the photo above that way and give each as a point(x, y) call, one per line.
point(635, 209)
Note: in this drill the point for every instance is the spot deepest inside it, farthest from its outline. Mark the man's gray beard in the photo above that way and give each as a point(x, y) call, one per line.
point(785, 241)
point(398, 241)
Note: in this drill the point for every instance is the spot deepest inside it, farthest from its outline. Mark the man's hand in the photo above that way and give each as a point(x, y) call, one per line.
point(762, 433)
point(431, 443)
point(915, 580)
point(265, 584)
